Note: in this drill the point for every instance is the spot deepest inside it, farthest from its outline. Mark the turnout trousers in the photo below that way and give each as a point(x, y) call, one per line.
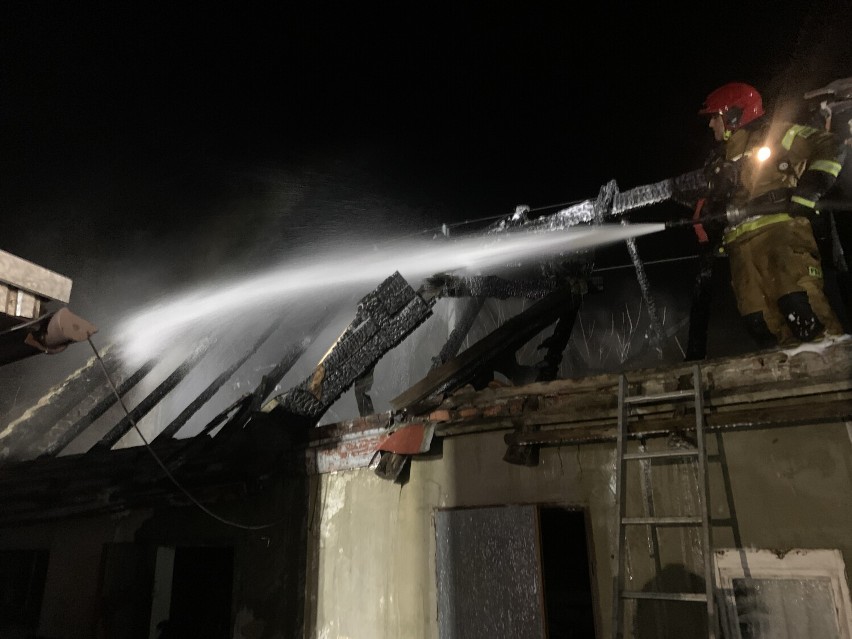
point(772, 262)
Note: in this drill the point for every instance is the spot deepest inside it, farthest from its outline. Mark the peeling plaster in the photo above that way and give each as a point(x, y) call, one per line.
point(334, 499)
point(611, 467)
point(329, 633)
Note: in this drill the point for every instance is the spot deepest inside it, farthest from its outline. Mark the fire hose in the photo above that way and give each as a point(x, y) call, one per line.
point(734, 215)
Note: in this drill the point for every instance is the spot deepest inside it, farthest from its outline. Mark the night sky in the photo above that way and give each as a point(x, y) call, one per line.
point(146, 145)
point(135, 110)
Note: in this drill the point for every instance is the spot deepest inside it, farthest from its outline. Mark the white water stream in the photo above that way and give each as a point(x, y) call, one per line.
point(351, 267)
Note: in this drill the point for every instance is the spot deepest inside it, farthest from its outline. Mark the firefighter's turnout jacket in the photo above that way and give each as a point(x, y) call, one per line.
point(774, 259)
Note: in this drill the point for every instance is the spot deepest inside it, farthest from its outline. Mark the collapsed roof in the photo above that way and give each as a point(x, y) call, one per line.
point(257, 434)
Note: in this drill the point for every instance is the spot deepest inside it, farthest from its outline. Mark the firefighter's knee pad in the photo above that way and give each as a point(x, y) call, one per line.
point(800, 317)
point(759, 330)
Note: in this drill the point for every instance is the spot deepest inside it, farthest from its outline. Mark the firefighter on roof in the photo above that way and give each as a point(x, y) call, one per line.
point(831, 109)
point(835, 108)
point(774, 260)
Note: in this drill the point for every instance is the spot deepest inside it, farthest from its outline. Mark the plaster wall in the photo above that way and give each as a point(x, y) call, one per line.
point(372, 542)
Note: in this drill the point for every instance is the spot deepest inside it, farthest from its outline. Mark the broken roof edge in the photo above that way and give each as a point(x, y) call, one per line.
point(811, 383)
point(817, 373)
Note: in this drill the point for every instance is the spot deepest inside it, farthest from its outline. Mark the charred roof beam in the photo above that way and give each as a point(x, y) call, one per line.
point(385, 317)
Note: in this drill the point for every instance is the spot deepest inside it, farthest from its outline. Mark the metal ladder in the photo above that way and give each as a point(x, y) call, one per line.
point(700, 454)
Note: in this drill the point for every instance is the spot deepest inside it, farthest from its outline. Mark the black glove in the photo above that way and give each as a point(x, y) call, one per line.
point(800, 210)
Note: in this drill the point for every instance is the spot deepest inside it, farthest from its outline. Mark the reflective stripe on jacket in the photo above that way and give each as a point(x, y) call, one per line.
point(792, 150)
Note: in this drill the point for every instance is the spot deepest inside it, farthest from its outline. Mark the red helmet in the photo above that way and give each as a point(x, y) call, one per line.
point(738, 104)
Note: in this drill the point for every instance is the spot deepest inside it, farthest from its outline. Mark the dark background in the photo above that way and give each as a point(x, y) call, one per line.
point(148, 146)
point(126, 113)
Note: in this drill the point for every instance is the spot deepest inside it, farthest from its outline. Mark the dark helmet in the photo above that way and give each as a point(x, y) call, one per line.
point(738, 104)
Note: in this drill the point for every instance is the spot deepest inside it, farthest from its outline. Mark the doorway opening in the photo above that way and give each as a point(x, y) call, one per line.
point(201, 592)
point(569, 606)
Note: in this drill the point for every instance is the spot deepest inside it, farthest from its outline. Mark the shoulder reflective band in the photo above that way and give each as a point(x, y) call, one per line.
point(797, 129)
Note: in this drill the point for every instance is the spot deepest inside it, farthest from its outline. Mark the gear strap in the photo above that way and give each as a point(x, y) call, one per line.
point(697, 225)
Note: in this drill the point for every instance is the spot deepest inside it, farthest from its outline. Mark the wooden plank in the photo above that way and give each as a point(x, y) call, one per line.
point(756, 416)
point(509, 337)
point(23, 274)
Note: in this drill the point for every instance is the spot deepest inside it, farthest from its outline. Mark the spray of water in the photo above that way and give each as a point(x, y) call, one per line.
point(363, 267)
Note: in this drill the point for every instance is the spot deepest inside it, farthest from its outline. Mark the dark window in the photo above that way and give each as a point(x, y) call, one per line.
point(127, 573)
point(22, 575)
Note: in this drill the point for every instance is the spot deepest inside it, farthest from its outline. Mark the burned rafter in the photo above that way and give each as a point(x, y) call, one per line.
point(391, 464)
point(385, 317)
point(154, 397)
point(238, 457)
point(213, 387)
point(493, 286)
point(239, 414)
point(251, 402)
point(495, 346)
point(23, 437)
point(492, 352)
point(61, 434)
point(460, 330)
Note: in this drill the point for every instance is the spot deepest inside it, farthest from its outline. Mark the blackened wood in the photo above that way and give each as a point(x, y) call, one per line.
point(68, 435)
point(146, 405)
point(460, 331)
point(178, 422)
point(511, 335)
point(557, 342)
point(492, 286)
point(20, 438)
point(385, 317)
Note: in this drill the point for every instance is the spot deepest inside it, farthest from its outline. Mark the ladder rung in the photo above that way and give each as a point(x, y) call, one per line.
point(642, 399)
point(665, 521)
point(683, 452)
point(668, 596)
